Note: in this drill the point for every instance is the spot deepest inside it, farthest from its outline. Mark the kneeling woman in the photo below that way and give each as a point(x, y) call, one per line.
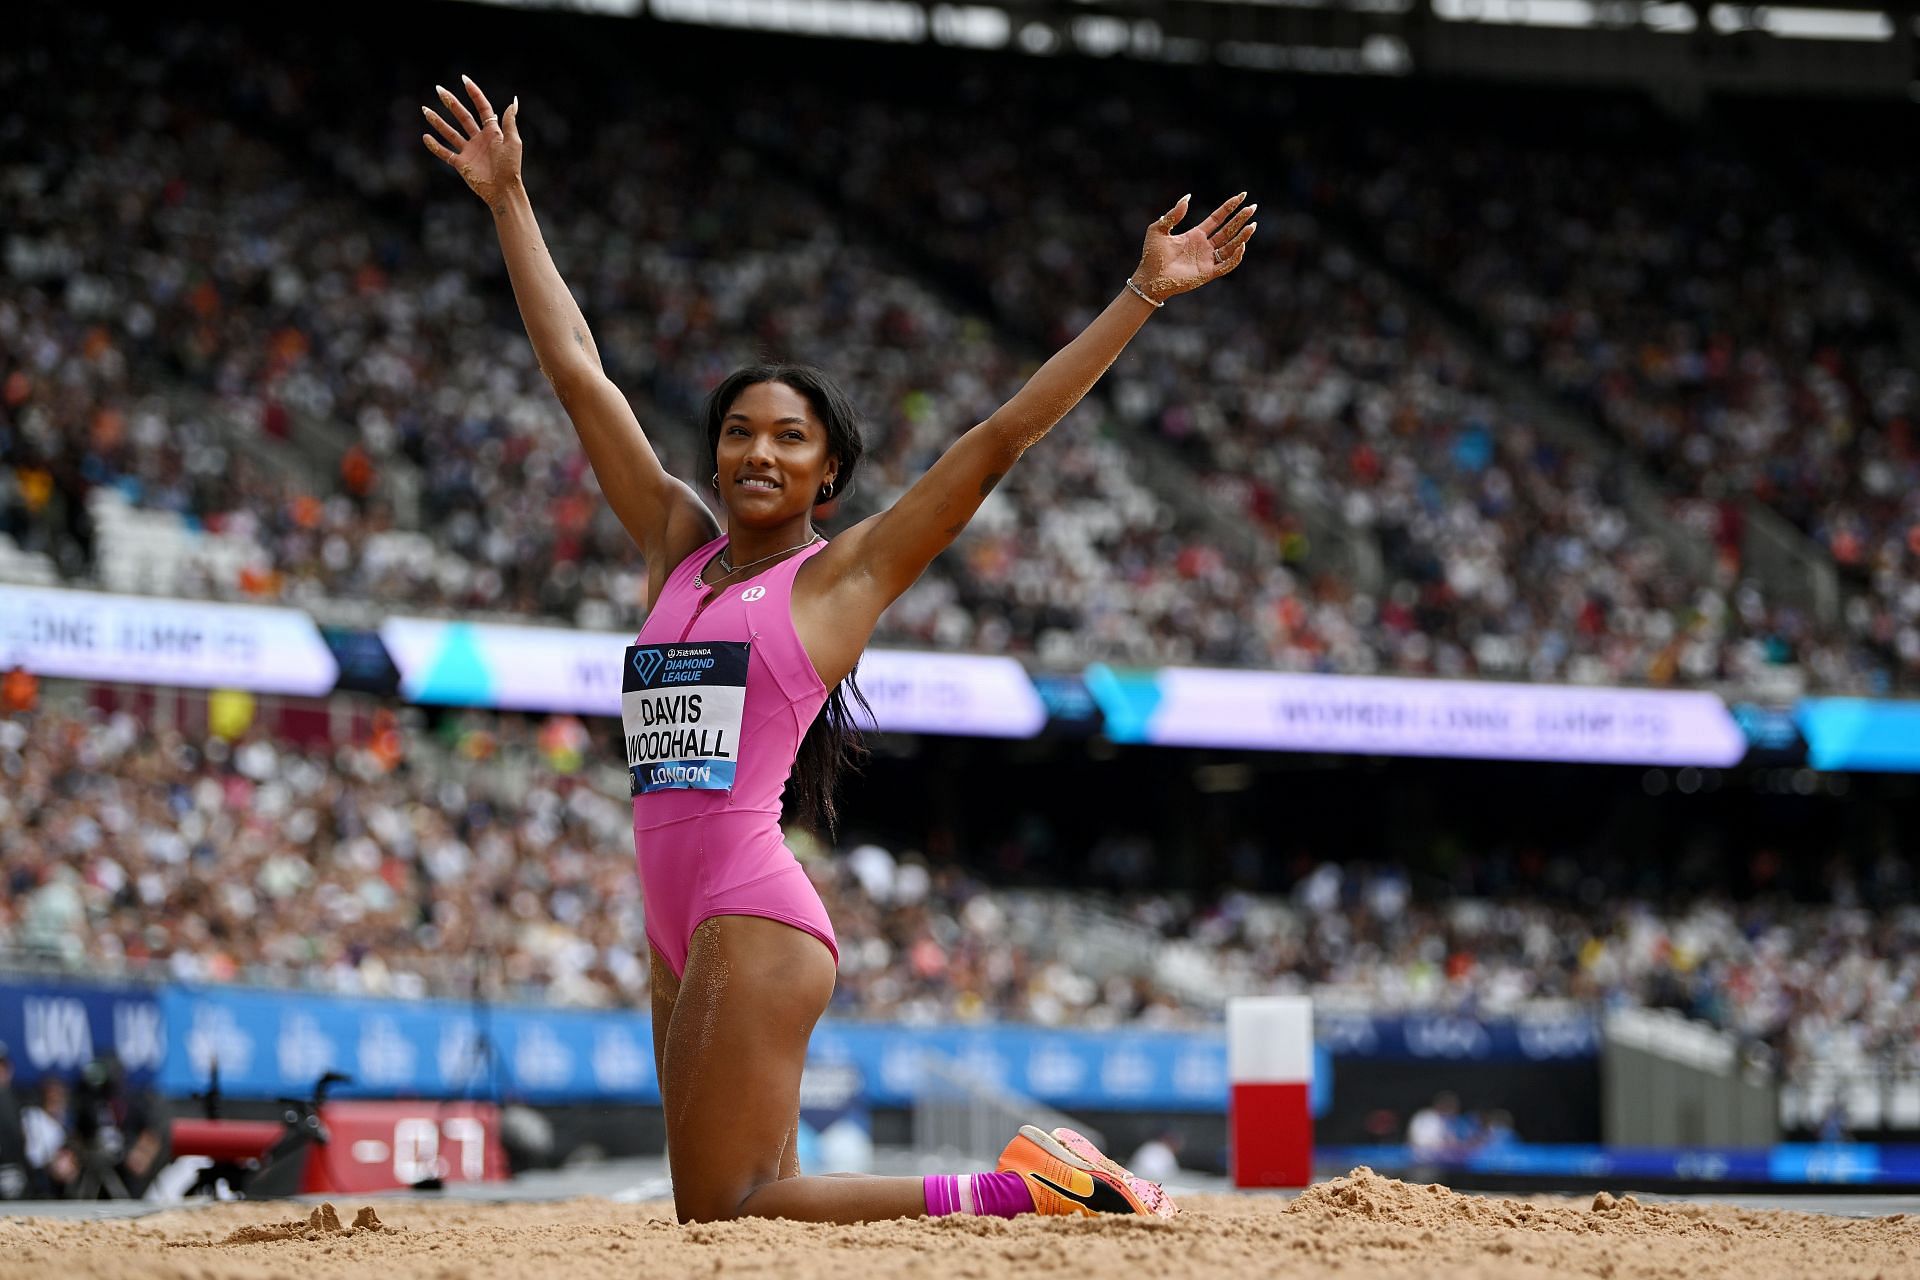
point(736, 675)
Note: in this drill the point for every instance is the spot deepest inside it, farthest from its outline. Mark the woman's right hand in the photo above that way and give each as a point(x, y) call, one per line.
point(485, 152)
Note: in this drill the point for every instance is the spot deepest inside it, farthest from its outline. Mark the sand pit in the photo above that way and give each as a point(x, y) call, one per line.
point(1360, 1225)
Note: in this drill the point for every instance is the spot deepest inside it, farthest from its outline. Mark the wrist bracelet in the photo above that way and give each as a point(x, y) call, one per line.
point(1143, 296)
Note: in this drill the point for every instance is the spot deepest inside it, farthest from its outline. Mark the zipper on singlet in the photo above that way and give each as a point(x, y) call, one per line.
point(697, 611)
point(715, 596)
point(707, 598)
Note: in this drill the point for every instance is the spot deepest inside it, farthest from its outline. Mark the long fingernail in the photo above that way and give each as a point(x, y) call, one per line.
point(466, 79)
point(442, 91)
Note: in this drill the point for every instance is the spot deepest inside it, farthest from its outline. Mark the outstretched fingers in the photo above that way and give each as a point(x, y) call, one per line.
point(497, 135)
point(1218, 217)
point(1235, 250)
point(487, 117)
point(1225, 235)
point(457, 109)
point(441, 127)
point(439, 149)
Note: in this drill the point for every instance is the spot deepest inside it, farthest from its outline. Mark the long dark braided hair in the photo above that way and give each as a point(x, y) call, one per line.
point(832, 742)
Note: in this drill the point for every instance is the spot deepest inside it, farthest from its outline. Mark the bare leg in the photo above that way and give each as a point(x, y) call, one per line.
point(664, 989)
point(734, 1049)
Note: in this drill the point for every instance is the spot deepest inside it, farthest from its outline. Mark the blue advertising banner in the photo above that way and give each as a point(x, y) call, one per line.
point(1773, 734)
point(1556, 1037)
point(59, 1027)
point(1093, 1070)
point(281, 1042)
point(1856, 1163)
point(272, 1043)
point(1861, 733)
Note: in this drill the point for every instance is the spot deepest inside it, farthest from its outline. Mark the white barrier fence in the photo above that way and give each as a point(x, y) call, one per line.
point(958, 1116)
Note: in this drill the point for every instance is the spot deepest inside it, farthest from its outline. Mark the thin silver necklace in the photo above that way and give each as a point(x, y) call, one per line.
point(699, 578)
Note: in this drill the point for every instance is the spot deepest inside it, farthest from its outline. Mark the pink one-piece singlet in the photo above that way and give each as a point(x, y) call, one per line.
point(714, 703)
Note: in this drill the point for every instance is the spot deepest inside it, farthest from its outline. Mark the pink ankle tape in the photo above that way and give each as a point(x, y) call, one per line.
point(982, 1195)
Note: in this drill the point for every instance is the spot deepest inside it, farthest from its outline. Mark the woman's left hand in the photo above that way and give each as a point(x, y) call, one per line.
point(1171, 264)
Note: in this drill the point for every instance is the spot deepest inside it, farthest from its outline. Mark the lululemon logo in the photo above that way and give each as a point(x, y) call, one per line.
point(646, 664)
point(753, 593)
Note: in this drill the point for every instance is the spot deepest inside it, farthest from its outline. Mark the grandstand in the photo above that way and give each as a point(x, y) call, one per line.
point(1374, 494)
point(1582, 408)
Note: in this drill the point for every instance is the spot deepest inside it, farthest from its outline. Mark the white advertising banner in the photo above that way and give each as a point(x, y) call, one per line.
point(86, 635)
point(1183, 706)
point(551, 669)
point(470, 664)
point(971, 694)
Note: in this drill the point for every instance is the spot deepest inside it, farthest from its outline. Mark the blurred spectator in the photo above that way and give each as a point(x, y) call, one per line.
point(1158, 1158)
point(1434, 1133)
point(53, 1166)
point(13, 1138)
point(117, 1135)
point(19, 692)
point(1495, 1132)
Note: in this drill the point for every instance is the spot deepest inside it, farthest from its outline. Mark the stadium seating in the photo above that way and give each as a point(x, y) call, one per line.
point(254, 346)
point(495, 860)
point(1314, 399)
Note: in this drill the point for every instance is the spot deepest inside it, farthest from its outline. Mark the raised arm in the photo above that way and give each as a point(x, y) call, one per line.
point(868, 568)
point(661, 513)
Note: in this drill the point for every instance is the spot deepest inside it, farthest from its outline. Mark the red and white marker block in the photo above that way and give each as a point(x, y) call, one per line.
point(386, 1146)
point(1270, 1069)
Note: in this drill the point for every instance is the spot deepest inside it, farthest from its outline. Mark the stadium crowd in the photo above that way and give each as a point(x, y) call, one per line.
point(493, 857)
point(306, 301)
point(196, 217)
point(1318, 383)
point(1703, 312)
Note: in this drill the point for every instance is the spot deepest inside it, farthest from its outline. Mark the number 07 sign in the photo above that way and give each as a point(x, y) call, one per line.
point(387, 1146)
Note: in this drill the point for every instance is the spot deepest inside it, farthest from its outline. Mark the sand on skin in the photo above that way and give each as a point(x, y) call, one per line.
point(1359, 1225)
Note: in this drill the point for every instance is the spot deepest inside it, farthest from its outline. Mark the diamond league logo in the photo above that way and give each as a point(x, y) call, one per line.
point(646, 664)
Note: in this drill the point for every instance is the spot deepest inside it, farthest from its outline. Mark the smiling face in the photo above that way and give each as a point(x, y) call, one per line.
point(772, 455)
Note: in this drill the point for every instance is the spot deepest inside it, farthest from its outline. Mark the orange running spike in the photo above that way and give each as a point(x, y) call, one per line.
point(1068, 1175)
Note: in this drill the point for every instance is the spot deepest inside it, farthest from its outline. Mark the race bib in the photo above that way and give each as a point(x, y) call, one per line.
point(680, 707)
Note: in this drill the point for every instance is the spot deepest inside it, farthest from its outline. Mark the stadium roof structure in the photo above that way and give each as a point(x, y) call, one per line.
point(1682, 47)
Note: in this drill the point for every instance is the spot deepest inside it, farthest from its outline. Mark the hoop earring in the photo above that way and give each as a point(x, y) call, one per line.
point(715, 482)
point(826, 492)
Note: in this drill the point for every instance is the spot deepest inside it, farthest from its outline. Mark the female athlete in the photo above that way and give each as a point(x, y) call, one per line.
point(749, 633)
